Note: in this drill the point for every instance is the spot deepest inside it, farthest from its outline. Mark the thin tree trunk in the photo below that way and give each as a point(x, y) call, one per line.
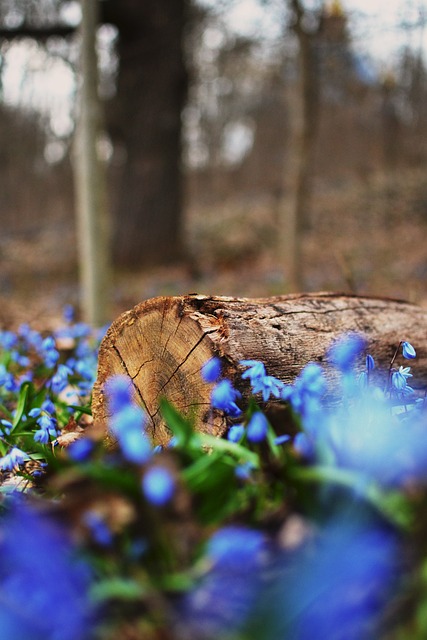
point(92, 214)
point(303, 106)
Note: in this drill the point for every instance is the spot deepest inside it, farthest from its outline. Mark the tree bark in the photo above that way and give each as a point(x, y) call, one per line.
point(91, 192)
point(162, 344)
point(144, 121)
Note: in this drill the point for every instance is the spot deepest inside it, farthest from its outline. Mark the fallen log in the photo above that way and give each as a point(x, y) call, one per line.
point(162, 343)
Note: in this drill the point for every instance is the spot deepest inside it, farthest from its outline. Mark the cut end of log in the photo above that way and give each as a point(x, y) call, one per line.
point(162, 349)
point(163, 343)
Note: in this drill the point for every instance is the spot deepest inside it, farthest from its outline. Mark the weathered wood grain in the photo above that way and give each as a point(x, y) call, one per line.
point(162, 343)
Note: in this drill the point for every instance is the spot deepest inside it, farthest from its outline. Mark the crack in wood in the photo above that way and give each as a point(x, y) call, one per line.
point(140, 368)
point(172, 335)
point(124, 366)
point(193, 348)
point(324, 311)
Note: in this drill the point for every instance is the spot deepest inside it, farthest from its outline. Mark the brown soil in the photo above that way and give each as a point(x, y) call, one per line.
point(365, 238)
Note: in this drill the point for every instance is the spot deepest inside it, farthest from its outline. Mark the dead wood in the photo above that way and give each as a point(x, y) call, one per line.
point(162, 343)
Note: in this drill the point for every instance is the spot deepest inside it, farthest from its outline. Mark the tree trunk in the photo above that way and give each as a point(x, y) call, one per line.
point(304, 114)
point(144, 121)
point(92, 214)
point(161, 344)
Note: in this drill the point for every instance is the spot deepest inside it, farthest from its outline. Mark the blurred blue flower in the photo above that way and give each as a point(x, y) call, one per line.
point(257, 427)
point(224, 397)
point(49, 352)
point(19, 358)
point(135, 445)
point(408, 351)
point(211, 370)
point(98, 528)
point(306, 393)
point(221, 603)
point(13, 459)
point(344, 352)
point(7, 381)
point(127, 425)
point(43, 583)
point(8, 340)
point(31, 337)
point(119, 390)
point(80, 450)
point(158, 485)
point(244, 471)
point(334, 586)
point(68, 313)
point(59, 380)
point(235, 432)
point(304, 445)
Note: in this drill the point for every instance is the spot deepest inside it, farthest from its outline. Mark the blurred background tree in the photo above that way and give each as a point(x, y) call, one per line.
point(225, 122)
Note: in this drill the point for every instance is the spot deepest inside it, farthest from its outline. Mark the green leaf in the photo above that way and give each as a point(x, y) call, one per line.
point(391, 504)
point(238, 451)
point(5, 411)
point(25, 393)
point(80, 408)
point(181, 428)
point(118, 589)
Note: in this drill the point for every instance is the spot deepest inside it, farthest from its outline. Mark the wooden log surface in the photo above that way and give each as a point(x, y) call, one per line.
point(162, 344)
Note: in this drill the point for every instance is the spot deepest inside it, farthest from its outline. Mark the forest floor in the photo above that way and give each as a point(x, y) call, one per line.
point(365, 238)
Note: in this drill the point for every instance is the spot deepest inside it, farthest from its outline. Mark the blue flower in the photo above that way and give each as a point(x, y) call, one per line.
point(80, 450)
point(335, 585)
point(244, 471)
point(41, 568)
point(6, 379)
point(257, 428)
point(235, 433)
point(98, 528)
point(59, 380)
point(224, 397)
point(399, 378)
point(408, 351)
point(306, 392)
point(234, 547)
point(119, 390)
point(268, 385)
point(127, 425)
point(370, 363)
point(158, 485)
point(211, 370)
point(68, 313)
point(260, 381)
point(13, 459)
point(345, 351)
point(135, 445)
point(49, 352)
point(255, 371)
point(8, 340)
point(304, 446)
point(222, 602)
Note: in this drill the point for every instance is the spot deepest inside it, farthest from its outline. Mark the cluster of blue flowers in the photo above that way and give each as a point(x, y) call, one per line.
point(42, 384)
point(44, 584)
point(127, 425)
point(281, 535)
